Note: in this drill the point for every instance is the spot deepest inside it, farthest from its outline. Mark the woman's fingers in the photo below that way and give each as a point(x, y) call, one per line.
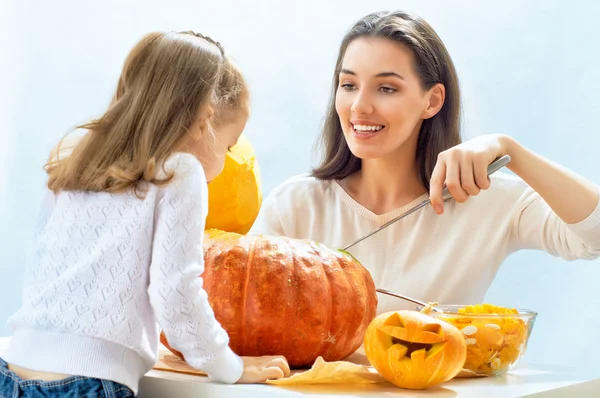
point(453, 181)
point(436, 185)
point(467, 177)
point(464, 174)
point(480, 166)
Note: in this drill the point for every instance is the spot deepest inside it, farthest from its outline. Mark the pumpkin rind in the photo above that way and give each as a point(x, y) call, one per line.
point(414, 350)
point(282, 296)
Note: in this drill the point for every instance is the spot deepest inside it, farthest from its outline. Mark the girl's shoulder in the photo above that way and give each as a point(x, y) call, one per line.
point(183, 163)
point(187, 170)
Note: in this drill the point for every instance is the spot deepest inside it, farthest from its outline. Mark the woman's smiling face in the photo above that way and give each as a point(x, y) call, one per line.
point(380, 100)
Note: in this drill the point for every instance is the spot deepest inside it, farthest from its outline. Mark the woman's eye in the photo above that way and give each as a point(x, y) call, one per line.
point(347, 86)
point(388, 90)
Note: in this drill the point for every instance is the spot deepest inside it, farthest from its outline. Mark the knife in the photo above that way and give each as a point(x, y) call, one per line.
point(492, 168)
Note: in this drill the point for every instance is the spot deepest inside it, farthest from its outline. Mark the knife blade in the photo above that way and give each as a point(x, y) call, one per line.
point(492, 168)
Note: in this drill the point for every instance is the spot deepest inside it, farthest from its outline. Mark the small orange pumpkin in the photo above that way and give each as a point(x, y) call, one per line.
point(235, 195)
point(414, 350)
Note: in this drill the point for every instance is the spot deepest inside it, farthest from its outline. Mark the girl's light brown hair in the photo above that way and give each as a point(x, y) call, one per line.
point(232, 96)
point(166, 80)
point(433, 64)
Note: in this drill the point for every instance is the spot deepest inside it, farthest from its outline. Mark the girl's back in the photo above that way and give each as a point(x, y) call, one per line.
point(117, 249)
point(99, 262)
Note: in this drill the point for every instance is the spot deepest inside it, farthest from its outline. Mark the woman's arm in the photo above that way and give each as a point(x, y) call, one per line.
point(559, 212)
point(571, 197)
point(463, 169)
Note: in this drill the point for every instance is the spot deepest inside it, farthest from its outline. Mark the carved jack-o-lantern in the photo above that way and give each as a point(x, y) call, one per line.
point(414, 350)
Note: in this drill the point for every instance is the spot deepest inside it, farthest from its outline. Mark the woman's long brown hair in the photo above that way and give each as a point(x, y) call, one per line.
point(433, 65)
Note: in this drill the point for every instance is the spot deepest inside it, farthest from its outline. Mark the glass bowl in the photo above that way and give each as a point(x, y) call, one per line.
point(496, 337)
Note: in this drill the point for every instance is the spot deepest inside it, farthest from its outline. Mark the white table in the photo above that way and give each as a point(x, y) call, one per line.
point(529, 380)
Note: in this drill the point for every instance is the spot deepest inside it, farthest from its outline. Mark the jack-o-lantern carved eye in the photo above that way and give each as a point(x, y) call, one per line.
point(414, 350)
point(427, 331)
point(435, 328)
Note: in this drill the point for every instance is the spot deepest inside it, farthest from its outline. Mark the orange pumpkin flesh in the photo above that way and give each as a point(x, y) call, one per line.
point(235, 196)
point(414, 350)
point(496, 343)
point(282, 296)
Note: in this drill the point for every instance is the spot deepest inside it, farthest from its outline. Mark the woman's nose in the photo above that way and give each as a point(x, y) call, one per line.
point(362, 104)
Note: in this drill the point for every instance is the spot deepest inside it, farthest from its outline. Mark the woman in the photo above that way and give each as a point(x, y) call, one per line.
point(391, 139)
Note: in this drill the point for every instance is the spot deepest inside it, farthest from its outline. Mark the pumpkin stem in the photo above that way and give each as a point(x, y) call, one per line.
point(428, 308)
point(348, 254)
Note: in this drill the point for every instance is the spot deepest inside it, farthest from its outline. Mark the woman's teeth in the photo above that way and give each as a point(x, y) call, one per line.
point(362, 128)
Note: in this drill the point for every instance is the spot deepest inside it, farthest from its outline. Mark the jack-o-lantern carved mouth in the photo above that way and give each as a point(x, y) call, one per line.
point(407, 338)
point(412, 347)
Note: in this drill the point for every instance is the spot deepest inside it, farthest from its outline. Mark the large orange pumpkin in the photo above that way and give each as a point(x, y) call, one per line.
point(414, 350)
point(235, 195)
point(282, 296)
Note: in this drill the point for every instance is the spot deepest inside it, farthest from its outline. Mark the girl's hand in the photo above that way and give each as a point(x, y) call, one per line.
point(261, 369)
point(463, 169)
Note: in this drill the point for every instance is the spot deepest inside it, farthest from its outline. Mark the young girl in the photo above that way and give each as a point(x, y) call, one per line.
point(392, 139)
point(117, 249)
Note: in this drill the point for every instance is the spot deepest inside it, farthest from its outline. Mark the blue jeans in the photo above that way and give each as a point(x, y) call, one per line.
point(12, 386)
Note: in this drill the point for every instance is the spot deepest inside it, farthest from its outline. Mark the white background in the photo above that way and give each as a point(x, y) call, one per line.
point(528, 69)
